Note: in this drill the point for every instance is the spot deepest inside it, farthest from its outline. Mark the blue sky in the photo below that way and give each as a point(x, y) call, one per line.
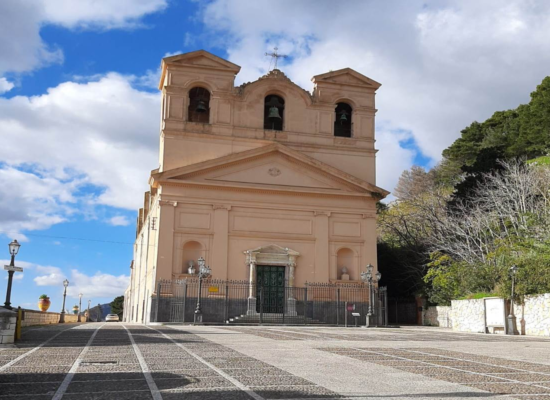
point(79, 104)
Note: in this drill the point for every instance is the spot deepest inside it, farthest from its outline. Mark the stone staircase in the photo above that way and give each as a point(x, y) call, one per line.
point(273, 319)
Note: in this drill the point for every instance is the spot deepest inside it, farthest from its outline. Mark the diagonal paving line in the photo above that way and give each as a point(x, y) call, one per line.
point(22, 356)
point(479, 362)
point(449, 367)
point(234, 381)
point(69, 377)
point(144, 368)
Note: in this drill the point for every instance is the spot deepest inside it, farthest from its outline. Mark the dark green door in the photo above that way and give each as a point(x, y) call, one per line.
point(271, 281)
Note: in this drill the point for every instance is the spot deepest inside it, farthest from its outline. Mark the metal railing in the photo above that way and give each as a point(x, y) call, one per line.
point(242, 302)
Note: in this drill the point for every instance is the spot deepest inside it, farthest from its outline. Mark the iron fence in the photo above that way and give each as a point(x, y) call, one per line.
point(226, 302)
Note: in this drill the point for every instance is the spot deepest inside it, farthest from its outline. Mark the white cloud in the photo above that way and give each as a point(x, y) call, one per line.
point(92, 286)
point(5, 85)
point(54, 276)
point(21, 45)
point(98, 285)
point(30, 202)
point(119, 220)
point(102, 133)
point(442, 64)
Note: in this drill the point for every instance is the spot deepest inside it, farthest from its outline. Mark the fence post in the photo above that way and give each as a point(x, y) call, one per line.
point(158, 302)
point(346, 314)
point(386, 305)
point(338, 306)
point(305, 305)
point(226, 304)
point(184, 299)
point(261, 304)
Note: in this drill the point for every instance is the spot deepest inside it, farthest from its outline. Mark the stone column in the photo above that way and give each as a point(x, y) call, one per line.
point(291, 301)
point(251, 260)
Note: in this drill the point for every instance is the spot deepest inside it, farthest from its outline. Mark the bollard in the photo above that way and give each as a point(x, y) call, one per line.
point(18, 323)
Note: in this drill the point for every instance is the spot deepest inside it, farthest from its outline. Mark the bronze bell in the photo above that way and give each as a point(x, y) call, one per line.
point(201, 107)
point(274, 113)
point(343, 117)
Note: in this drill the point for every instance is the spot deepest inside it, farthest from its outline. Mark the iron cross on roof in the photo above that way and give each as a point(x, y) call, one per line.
point(275, 56)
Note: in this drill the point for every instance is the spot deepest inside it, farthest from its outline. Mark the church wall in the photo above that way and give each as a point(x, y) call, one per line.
point(233, 222)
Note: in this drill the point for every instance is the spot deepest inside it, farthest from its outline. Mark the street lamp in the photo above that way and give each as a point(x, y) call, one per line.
point(367, 277)
point(14, 249)
point(62, 316)
point(511, 317)
point(204, 272)
point(79, 307)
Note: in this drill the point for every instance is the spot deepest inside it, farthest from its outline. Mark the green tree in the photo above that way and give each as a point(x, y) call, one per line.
point(117, 305)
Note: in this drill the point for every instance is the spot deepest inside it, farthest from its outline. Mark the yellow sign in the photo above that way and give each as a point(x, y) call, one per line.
point(213, 289)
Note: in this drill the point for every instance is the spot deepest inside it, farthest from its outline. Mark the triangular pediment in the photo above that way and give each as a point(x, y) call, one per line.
point(272, 167)
point(203, 59)
point(346, 76)
point(273, 249)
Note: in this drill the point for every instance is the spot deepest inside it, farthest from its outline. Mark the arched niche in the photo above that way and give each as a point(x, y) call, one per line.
point(199, 105)
point(343, 120)
point(345, 258)
point(274, 112)
point(191, 251)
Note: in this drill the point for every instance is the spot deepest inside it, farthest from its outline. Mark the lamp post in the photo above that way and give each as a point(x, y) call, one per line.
point(14, 249)
point(367, 277)
point(204, 272)
point(62, 316)
point(511, 327)
point(79, 307)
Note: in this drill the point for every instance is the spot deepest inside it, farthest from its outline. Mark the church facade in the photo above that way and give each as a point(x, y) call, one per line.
point(257, 178)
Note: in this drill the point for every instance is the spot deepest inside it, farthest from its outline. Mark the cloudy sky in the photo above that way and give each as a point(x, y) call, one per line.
point(79, 107)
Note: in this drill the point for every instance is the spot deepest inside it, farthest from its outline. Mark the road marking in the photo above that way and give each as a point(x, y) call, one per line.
point(234, 381)
point(70, 375)
point(4, 367)
point(144, 368)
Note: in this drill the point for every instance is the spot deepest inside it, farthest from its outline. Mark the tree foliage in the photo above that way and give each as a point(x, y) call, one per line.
point(117, 305)
point(457, 229)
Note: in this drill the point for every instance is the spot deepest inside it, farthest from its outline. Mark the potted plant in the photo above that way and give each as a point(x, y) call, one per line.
point(75, 309)
point(44, 303)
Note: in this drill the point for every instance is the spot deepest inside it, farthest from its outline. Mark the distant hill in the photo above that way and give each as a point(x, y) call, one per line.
point(103, 309)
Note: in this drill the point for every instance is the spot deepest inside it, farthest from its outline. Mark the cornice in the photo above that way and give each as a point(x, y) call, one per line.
point(290, 192)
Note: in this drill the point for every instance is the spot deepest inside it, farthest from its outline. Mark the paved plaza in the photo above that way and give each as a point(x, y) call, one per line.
point(128, 361)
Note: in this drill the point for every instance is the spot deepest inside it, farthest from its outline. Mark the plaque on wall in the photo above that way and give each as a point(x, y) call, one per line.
point(495, 313)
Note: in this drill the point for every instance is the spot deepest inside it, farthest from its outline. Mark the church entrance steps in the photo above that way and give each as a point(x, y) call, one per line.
point(274, 319)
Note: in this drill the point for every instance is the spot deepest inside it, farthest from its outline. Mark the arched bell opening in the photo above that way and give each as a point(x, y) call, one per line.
point(342, 120)
point(345, 264)
point(274, 107)
point(199, 105)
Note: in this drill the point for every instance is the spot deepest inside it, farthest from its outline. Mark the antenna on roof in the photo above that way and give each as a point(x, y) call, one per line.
point(275, 56)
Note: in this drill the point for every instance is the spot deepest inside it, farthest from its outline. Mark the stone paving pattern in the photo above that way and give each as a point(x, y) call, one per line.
point(129, 361)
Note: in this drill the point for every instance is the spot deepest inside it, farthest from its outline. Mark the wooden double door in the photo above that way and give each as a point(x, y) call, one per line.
point(270, 289)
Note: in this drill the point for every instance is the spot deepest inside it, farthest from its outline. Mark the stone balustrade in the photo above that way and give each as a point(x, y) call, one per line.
point(34, 317)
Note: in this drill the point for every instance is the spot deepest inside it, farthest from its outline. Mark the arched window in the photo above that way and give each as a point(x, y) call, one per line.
point(274, 107)
point(199, 105)
point(192, 251)
point(342, 120)
point(345, 264)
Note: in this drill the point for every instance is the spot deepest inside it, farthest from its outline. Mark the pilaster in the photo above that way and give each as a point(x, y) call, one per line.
point(220, 246)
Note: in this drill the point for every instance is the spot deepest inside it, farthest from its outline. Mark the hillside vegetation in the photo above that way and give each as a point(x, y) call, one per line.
point(456, 229)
